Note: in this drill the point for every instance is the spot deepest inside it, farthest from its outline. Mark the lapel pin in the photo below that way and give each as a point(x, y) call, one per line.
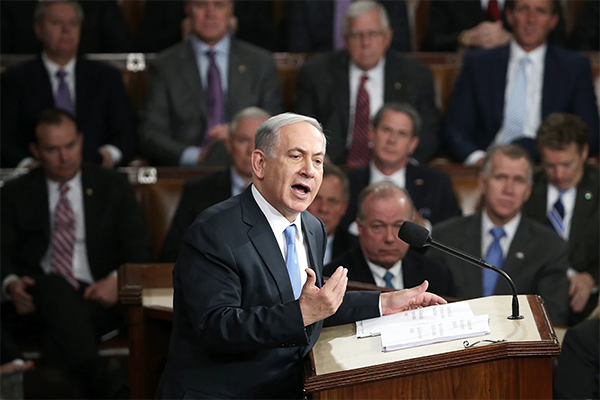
point(397, 86)
point(242, 68)
point(588, 196)
point(519, 255)
point(419, 182)
point(89, 191)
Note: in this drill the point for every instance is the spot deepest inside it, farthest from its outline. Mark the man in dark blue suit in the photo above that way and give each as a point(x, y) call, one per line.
point(93, 91)
point(502, 94)
point(382, 258)
point(249, 299)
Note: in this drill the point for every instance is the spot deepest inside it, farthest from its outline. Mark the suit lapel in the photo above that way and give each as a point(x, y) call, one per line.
point(518, 250)
point(586, 204)
point(341, 90)
point(552, 81)
point(41, 80)
point(309, 229)
point(498, 79)
point(394, 76)
point(39, 198)
point(237, 79)
point(470, 242)
point(190, 73)
point(537, 202)
point(92, 204)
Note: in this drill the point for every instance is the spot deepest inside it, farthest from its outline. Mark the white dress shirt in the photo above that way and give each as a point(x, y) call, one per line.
point(510, 229)
point(378, 272)
point(278, 225)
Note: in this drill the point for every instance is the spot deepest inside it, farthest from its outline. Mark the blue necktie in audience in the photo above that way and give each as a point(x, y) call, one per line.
point(291, 260)
point(389, 280)
point(516, 110)
point(214, 95)
point(556, 215)
point(495, 257)
point(63, 99)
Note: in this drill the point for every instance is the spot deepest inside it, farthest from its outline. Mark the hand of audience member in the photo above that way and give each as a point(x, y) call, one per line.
point(316, 303)
point(12, 367)
point(107, 160)
point(218, 133)
point(487, 35)
point(103, 291)
point(186, 27)
point(580, 290)
point(409, 299)
point(21, 298)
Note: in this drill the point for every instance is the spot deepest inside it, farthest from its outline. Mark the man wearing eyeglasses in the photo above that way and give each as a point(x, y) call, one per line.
point(344, 89)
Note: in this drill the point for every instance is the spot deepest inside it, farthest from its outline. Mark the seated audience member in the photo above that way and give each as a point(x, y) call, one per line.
point(93, 91)
point(475, 24)
point(66, 228)
point(196, 86)
point(316, 26)
point(394, 134)
point(345, 88)
point(164, 23)
point(533, 256)
point(201, 193)
point(329, 206)
point(565, 196)
point(502, 94)
point(382, 258)
point(586, 34)
point(577, 373)
point(103, 29)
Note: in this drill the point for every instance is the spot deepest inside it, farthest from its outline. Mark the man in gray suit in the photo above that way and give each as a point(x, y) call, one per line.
point(332, 87)
point(534, 256)
point(197, 85)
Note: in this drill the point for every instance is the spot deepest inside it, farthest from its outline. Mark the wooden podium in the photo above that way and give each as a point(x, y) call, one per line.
point(343, 367)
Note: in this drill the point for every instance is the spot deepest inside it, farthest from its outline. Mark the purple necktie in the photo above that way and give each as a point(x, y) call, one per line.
point(62, 99)
point(214, 98)
point(338, 22)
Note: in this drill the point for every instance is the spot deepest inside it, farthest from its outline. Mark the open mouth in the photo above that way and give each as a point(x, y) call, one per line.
point(301, 190)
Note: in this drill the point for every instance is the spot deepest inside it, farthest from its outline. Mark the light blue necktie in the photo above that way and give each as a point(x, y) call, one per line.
point(389, 278)
point(516, 110)
point(291, 261)
point(495, 257)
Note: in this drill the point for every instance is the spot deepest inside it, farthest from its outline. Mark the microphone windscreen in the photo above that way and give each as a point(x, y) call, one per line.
point(413, 234)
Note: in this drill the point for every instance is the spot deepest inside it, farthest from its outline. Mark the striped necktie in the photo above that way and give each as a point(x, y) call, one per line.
point(358, 154)
point(516, 109)
point(63, 238)
point(556, 215)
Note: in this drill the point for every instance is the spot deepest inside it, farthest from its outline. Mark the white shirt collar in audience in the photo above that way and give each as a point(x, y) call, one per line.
point(484, 4)
point(329, 249)
point(278, 224)
point(378, 272)
point(568, 201)
point(398, 178)
point(238, 184)
point(510, 229)
point(53, 68)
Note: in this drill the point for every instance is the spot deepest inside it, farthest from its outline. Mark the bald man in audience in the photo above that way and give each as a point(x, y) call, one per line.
point(329, 206)
point(201, 193)
point(382, 258)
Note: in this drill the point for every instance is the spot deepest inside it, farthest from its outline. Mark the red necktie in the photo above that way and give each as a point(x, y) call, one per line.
point(63, 238)
point(358, 155)
point(493, 11)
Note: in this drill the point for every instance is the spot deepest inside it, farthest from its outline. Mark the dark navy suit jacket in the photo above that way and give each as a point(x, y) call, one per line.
point(477, 105)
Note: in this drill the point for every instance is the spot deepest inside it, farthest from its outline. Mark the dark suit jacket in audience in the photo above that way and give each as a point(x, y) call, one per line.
point(174, 116)
point(430, 190)
point(160, 25)
point(323, 92)
point(343, 241)
point(415, 269)
point(103, 111)
point(103, 29)
point(447, 19)
point(309, 25)
point(476, 108)
point(536, 261)
point(586, 34)
point(198, 194)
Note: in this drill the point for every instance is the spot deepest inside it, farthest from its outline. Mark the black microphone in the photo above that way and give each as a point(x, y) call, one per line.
point(418, 236)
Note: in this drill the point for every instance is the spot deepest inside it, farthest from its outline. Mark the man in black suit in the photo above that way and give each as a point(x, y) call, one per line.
point(103, 30)
point(329, 85)
point(201, 193)
point(329, 206)
point(473, 24)
point(570, 187)
point(311, 25)
point(66, 228)
point(249, 299)
point(382, 258)
point(58, 78)
point(395, 133)
point(534, 257)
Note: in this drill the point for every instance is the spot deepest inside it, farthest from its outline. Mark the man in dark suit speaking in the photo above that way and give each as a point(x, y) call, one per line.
point(249, 299)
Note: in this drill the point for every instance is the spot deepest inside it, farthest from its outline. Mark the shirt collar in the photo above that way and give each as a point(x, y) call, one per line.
point(375, 71)
point(510, 228)
point(536, 56)
point(398, 178)
point(53, 67)
point(277, 221)
point(221, 48)
point(379, 271)
point(238, 183)
point(53, 185)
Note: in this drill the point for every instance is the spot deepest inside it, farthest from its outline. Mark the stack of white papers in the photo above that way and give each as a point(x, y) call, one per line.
point(424, 326)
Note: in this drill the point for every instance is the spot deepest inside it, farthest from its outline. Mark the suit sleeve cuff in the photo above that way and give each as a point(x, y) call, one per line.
point(7, 281)
point(189, 157)
point(474, 157)
point(115, 153)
